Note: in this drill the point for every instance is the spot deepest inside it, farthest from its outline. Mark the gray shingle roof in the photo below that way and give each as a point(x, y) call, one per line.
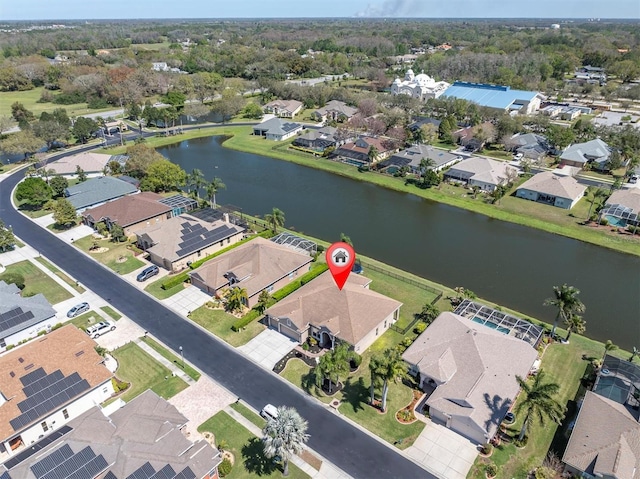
point(594, 150)
point(277, 126)
point(143, 435)
point(18, 313)
point(462, 353)
point(97, 190)
point(413, 155)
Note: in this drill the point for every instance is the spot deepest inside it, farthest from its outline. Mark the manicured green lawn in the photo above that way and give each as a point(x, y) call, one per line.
point(111, 312)
point(143, 372)
point(247, 450)
point(37, 281)
point(60, 274)
point(30, 99)
point(111, 258)
point(219, 323)
point(249, 414)
point(168, 355)
point(155, 289)
point(87, 319)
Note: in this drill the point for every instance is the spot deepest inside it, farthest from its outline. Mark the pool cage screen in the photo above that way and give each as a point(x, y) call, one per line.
point(296, 242)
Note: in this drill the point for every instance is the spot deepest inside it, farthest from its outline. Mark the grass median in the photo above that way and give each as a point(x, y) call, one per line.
point(169, 356)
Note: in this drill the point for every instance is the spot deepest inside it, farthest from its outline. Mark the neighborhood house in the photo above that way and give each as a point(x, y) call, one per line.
point(470, 387)
point(623, 208)
point(96, 191)
point(552, 189)
point(365, 150)
point(276, 129)
point(143, 439)
point(88, 162)
point(319, 140)
point(46, 383)
point(176, 242)
point(594, 153)
point(319, 310)
point(413, 156)
point(22, 318)
point(334, 110)
point(283, 108)
point(484, 173)
point(605, 440)
point(258, 265)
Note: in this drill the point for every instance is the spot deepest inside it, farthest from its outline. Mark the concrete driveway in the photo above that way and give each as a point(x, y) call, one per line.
point(268, 347)
point(443, 452)
point(187, 300)
point(125, 332)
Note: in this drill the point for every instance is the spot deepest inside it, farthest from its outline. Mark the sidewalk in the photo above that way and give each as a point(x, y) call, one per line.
point(327, 470)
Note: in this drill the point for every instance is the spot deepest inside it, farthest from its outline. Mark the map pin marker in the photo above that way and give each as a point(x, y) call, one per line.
point(340, 258)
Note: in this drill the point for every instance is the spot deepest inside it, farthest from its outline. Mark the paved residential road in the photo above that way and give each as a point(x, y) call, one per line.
point(349, 448)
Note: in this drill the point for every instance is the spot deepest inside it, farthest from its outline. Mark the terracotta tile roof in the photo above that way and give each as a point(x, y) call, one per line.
point(605, 440)
point(257, 264)
point(129, 210)
point(349, 314)
point(58, 350)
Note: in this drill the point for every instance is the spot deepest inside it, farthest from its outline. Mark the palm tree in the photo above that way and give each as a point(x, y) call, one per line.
point(236, 298)
point(333, 366)
point(419, 135)
point(196, 179)
point(566, 300)
point(388, 367)
point(372, 154)
point(608, 347)
point(275, 219)
point(284, 436)
point(212, 188)
point(376, 366)
point(634, 354)
point(575, 323)
point(595, 195)
point(426, 165)
point(538, 402)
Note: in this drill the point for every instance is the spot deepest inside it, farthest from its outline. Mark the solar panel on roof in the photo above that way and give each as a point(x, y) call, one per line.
point(51, 461)
point(110, 475)
point(143, 472)
point(186, 473)
point(166, 472)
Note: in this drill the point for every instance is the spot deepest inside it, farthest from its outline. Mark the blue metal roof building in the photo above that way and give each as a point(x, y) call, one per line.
point(495, 96)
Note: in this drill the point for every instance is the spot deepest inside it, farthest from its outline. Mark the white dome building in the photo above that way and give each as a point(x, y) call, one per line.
point(420, 86)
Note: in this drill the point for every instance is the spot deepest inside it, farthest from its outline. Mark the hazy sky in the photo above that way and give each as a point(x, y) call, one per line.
point(81, 9)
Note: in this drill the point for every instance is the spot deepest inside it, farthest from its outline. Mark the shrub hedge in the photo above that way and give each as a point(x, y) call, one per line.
point(282, 293)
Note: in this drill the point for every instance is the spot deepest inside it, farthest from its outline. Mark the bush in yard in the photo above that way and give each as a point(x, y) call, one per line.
point(487, 448)
point(224, 469)
point(420, 327)
point(491, 469)
point(15, 278)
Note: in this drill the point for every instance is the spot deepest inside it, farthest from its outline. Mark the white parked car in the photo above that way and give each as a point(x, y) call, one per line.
point(269, 412)
point(518, 156)
point(100, 328)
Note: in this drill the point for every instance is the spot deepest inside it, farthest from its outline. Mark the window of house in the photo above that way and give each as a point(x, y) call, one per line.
point(3, 344)
point(45, 428)
point(106, 389)
point(376, 331)
point(199, 253)
point(291, 275)
point(270, 289)
point(385, 323)
point(65, 414)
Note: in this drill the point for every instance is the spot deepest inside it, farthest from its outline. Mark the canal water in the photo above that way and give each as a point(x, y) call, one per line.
point(506, 263)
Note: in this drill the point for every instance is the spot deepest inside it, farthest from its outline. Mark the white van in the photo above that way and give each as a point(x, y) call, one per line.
point(269, 412)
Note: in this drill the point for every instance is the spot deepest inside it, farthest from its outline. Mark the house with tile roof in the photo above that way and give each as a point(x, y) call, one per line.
point(595, 153)
point(469, 387)
point(22, 318)
point(412, 156)
point(357, 152)
point(46, 383)
point(355, 314)
point(143, 439)
point(622, 208)
point(334, 110)
point(178, 241)
point(277, 129)
point(561, 191)
point(497, 97)
point(283, 108)
point(605, 440)
point(96, 191)
point(485, 173)
point(320, 139)
point(131, 212)
point(258, 265)
point(89, 161)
